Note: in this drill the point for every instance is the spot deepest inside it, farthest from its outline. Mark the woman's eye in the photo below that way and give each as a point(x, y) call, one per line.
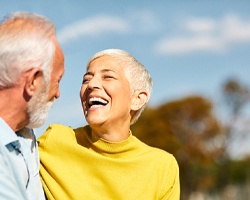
point(108, 77)
point(85, 80)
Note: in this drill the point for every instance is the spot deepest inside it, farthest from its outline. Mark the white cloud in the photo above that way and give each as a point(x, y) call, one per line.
point(94, 26)
point(234, 30)
point(207, 35)
point(137, 21)
point(189, 44)
point(200, 25)
point(143, 21)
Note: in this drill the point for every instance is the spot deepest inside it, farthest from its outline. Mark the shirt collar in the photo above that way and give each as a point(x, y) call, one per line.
point(7, 135)
point(11, 140)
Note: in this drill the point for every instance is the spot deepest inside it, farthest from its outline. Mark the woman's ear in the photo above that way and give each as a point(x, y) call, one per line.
point(34, 78)
point(139, 98)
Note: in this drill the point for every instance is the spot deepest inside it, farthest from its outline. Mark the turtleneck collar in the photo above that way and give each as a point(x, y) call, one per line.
point(122, 149)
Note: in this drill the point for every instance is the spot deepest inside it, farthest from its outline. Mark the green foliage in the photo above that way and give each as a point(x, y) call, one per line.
point(238, 170)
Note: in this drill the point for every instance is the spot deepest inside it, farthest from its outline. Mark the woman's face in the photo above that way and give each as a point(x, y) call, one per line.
point(105, 94)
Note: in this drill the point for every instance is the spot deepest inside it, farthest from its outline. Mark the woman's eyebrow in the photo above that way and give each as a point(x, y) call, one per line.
point(102, 71)
point(107, 70)
point(88, 73)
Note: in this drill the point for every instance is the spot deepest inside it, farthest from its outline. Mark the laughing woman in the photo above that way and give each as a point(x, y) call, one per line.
point(103, 160)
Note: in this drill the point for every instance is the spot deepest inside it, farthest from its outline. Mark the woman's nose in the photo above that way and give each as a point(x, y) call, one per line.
point(94, 83)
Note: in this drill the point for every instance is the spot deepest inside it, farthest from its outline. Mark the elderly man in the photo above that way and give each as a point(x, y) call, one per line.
point(31, 65)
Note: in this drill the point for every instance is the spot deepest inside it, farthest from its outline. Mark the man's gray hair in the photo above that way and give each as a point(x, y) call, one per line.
point(25, 42)
point(138, 77)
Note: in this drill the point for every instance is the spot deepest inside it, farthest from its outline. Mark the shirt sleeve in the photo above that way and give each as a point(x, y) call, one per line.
point(8, 186)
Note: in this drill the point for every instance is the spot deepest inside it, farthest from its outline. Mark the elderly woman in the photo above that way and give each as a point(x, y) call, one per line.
point(103, 160)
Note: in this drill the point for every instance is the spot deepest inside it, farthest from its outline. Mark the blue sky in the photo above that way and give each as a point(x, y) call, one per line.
point(189, 47)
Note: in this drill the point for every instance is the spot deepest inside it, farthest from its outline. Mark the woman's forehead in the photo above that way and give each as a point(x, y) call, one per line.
point(107, 62)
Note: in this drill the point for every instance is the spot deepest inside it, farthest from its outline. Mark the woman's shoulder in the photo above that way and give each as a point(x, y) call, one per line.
point(157, 153)
point(57, 134)
point(53, 127)
point(61, 128)
point(160, 153)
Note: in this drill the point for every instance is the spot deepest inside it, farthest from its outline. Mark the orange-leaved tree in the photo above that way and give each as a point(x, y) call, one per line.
point(188, 129)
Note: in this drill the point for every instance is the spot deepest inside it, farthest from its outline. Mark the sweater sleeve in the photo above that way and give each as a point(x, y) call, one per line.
point(172, 182)
point(50, 157)
point(42, 140)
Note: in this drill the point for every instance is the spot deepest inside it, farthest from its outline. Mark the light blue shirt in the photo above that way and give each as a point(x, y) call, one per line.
point(19, 165)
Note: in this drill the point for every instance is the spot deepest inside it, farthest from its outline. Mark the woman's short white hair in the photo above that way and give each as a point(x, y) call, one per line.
point(25, 42)
point(138, 77)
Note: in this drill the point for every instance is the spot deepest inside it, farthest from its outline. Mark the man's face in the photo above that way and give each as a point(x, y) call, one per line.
point(57, 73)
point(38, 107)
point(105, 93)
point(41, 102)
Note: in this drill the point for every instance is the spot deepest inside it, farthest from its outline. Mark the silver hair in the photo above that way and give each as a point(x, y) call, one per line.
point(138, 77)
point(25, 42)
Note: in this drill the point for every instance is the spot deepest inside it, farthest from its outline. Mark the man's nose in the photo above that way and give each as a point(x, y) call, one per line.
point(57, 95)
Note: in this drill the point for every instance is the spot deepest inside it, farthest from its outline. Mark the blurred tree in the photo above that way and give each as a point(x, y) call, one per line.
point(188, 129)
point(234, 169)
point(236, 96)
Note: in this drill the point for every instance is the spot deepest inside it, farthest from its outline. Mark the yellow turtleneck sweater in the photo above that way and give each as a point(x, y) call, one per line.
point(76, 167)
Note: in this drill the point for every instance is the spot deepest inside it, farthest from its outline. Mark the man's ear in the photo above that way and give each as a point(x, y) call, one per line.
point(139, 98)
point(34, 78)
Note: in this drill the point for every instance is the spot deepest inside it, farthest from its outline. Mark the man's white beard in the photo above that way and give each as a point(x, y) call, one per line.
point(38, 107)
